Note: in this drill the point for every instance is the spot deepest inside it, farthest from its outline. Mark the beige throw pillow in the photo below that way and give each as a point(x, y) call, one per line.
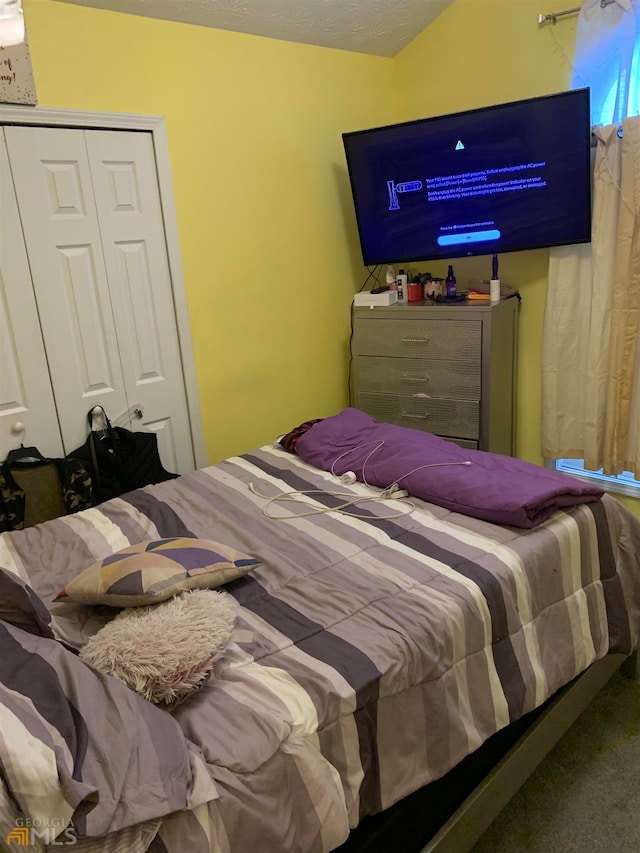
point(155, 570)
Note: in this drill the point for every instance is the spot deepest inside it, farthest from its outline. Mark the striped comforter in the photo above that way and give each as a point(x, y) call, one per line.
point(374, 648)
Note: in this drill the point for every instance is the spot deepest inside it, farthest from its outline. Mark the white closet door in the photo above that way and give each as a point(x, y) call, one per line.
point(132, 229)
point(57, 208)
point(26, 398)
point(90, 207)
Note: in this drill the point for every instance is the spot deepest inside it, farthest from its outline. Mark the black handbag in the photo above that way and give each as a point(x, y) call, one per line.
point(120, 460)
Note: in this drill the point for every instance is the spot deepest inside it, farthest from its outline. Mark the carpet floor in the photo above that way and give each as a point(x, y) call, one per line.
point(585, 796)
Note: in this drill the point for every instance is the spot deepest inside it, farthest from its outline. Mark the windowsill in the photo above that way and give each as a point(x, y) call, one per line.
point(625, 484)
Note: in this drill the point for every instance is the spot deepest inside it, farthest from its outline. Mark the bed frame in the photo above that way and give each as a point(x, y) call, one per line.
point(472, 795)
point(466, 825)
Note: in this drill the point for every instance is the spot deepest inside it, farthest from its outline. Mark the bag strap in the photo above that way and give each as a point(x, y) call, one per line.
point(109, 430)
point(92, 448)
point(107, 423)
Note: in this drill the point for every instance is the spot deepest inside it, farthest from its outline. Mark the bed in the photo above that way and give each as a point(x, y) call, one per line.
point(375, 651)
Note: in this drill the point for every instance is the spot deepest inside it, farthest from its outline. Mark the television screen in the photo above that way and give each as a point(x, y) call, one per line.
point(497, 179)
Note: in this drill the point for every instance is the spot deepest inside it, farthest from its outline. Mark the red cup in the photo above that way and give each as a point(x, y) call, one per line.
point(414, 292)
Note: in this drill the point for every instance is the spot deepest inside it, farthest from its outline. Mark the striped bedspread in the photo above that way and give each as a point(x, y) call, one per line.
point(374, 649)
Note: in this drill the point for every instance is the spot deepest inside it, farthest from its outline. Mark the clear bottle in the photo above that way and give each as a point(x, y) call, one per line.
point(451, 284)
point(391, 277)
point(401, 281)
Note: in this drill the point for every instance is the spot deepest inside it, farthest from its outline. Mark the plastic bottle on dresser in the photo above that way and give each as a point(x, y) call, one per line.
point(391, 278)
point(451, 284)
point(391, 275)
point(401, 281)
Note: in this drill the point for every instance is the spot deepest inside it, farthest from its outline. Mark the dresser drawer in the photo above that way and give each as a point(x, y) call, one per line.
point(463, 442)
point(459, 380)
point(449, 339)
point(455, 418)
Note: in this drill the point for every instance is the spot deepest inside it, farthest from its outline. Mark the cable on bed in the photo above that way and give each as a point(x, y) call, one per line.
point(391, 492)
point(350, 477)
point(298, 496)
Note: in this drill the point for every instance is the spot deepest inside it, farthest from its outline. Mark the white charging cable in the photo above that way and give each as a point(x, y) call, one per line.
point(349, 477)
point(391, 492)
point(299, 495)
point(393, 487)
point(378, 444)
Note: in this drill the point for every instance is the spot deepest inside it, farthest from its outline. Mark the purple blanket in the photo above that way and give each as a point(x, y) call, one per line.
point(485, 485)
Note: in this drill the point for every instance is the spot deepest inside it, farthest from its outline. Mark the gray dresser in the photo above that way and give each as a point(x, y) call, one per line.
point(445, 369)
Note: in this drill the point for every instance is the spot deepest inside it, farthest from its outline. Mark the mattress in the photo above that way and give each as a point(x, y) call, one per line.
point(375, 646)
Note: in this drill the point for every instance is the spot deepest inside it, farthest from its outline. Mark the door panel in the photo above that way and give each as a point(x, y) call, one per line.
point(25, 391)
point(57, 208)
point(90, 207)
point(130, 216)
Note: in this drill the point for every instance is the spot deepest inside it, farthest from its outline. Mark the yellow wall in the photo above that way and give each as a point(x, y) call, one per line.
point(267, 230)
point(490, 51)
point(477, 53)
point(269, 244)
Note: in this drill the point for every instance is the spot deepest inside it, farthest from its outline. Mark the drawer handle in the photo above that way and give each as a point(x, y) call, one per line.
point(415, 340)
point(410, 415)
point(405, 378)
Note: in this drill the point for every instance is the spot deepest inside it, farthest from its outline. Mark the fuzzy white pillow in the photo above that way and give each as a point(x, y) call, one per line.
point(165, 651)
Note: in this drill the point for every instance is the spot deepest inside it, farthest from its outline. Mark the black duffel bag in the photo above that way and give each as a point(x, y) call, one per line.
point(120, 460)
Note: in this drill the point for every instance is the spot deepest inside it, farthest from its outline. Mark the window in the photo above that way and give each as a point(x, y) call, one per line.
point(624, 483)
point(607, 58)
point(624, 90)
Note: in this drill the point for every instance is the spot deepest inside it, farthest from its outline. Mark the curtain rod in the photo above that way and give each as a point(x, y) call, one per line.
point(553, 16)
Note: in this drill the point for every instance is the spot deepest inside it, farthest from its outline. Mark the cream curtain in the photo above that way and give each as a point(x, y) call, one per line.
point(590, 352)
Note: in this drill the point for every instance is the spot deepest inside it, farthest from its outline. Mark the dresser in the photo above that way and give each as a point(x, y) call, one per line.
point(444, 369)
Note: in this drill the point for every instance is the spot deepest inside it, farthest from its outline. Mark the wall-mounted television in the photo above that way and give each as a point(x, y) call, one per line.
point(497, 179)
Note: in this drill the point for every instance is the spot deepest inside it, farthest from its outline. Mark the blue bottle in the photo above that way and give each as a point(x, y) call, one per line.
point(451, 284)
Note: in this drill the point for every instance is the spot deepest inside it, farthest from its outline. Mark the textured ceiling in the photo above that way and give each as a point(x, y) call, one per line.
point(380, 27)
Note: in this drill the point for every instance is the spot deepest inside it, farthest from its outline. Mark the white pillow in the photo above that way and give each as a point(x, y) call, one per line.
point(165, 651)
